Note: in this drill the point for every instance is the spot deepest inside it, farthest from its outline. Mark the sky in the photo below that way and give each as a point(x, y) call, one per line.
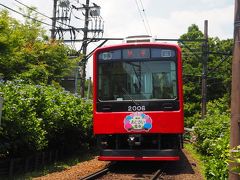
point(160, 18)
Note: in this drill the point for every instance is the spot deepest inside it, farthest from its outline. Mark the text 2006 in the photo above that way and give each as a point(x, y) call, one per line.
point(136, 108)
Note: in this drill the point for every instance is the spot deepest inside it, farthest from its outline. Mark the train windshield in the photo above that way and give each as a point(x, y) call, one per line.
point(137, 79)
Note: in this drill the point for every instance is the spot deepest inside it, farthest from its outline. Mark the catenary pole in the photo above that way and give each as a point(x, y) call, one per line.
point(84, 50)
point(204, 71)
point(53, 33)
point(235, 92)
point(89, 87)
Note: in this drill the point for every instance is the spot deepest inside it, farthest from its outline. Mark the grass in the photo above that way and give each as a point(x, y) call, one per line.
point(197, 157)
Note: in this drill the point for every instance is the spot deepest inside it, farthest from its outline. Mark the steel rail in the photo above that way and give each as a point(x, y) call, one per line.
point(96, 175)
point(157, 174)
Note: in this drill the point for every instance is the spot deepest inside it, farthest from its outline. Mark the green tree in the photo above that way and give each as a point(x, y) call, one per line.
point(192, 68)
point(219, 81)
point(26, 53)
point(219, 77)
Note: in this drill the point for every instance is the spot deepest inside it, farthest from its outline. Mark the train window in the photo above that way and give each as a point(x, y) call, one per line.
point(138, 80)
point(110, 55)
point(162, 53)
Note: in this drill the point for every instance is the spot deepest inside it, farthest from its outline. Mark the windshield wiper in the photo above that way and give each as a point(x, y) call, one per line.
point(138, 78)
point(126, 92)
point(137, 87)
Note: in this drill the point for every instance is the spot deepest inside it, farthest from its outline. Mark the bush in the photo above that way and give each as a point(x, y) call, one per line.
point(37, 117)
point(213, 139)
point(22, 130)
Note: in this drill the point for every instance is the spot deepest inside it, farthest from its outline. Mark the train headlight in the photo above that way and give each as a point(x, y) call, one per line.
point(104, 144)
point(134, 139)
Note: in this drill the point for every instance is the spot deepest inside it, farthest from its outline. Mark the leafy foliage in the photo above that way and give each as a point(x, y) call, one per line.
point(219, 68)
point(21, 128)
point(219, 71)
point(213, 132)
point(213, 139)
point(38, 117)
point(26, 54)
point(192, 68)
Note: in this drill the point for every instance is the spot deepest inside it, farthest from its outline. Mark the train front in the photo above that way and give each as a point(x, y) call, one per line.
point(138, 102)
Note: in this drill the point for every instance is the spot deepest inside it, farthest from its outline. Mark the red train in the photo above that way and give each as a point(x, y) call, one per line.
point(138, 101)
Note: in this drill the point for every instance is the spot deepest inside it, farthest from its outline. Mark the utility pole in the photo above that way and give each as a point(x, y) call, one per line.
point(235, 93)
point(84, 47)
point(62, 15)
point(89, 87)
point(204, 71)
point(53, 30)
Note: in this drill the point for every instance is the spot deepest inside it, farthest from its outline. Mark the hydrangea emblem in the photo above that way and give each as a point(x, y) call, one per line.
point(137, 121)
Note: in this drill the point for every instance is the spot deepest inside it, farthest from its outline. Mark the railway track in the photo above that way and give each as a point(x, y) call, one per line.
point(126, 170)
point(96, 175)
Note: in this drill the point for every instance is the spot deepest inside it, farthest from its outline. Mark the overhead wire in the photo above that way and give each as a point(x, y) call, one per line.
point(24, 15)
point(141, 16)
point(144, 13)
point(33, 9)
point(58, 29)
point(44, 15)
point(32, 18)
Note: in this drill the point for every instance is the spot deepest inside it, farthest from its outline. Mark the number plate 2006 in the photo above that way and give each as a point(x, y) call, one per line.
point(136, 108)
